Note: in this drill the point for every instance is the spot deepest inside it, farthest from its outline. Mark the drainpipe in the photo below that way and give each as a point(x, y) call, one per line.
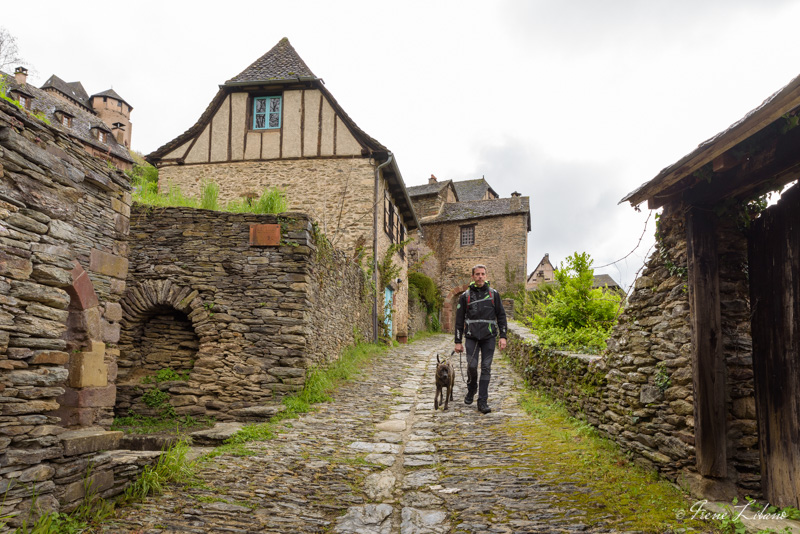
point(375, 248)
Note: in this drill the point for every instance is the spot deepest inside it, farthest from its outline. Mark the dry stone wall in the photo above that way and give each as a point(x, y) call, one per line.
point(258, 317)
point(63, 225)
point(639, 393)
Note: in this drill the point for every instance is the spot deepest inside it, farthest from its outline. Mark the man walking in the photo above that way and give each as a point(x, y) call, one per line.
point(480, 318)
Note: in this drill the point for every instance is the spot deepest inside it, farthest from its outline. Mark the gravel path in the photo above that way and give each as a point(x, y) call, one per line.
point(378, 459)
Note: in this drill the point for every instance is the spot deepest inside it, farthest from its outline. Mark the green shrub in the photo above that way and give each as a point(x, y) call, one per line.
point(575, 316)
point(209, 193)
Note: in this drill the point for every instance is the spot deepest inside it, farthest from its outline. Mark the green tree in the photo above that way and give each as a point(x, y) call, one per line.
point(576, 317)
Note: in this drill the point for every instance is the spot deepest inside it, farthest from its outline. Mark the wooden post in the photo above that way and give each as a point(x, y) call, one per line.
point(708, 363)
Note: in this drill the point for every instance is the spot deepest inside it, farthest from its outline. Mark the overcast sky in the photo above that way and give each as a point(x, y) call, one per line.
point(572, 103)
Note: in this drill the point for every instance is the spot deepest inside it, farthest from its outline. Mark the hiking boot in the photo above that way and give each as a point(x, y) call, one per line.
point(483, 407)
point(468, 398)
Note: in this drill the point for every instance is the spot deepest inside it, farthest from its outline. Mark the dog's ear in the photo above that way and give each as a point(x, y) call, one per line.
point(437, 359)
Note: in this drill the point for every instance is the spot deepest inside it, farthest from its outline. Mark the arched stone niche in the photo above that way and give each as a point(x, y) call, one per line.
point(158, 333)
point(449, 308)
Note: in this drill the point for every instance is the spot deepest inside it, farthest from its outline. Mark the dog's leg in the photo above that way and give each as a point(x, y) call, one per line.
point(436, 398)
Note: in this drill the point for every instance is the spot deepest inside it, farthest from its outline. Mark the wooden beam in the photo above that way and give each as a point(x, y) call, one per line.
point(708, 363)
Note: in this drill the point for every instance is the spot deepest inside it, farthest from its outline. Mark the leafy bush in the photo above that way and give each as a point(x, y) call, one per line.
point(425, 289)
point(575, 316)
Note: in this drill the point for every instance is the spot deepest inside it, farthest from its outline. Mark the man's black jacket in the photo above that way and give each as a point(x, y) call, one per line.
point(480, 314)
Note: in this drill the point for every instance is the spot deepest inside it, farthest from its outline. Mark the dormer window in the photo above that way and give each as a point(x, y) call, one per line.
point(100, 135)
point(23, 99)
point(64, 118)
point(267, 113)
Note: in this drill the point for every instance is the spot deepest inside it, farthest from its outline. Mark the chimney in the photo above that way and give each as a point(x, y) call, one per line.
point(21, 75)
point(432, 179)
point(515, 202)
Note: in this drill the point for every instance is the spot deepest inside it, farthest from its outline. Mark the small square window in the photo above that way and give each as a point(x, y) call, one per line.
point(25, 101)
point(267, 113)
point(467, 235)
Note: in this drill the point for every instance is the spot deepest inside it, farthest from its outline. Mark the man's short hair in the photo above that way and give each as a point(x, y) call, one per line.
point(479, 266)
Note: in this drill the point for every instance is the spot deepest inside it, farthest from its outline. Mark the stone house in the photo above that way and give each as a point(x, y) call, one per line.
point(542, 274)
point(706, 358)
point(457, 234)
point(101, 123)
point(276, 125)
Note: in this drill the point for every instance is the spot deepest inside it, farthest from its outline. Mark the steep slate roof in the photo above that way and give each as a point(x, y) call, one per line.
point(427, 189)
point(283, 66)
point(111, 93)
point(479, 209)
point(468, 190)
point(82, 120)
point(279, 58)
point(602, 280)
point(73, 90)
point(281, 63)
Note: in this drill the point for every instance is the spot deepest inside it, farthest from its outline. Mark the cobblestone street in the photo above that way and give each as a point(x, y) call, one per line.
point(379, 459)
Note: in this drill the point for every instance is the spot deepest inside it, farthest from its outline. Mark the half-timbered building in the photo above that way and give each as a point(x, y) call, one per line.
point(276, 125)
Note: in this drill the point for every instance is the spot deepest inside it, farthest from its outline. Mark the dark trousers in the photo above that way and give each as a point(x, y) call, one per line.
point(483, 349)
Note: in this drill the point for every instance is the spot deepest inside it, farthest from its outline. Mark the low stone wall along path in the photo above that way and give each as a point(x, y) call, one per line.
point(379, 459)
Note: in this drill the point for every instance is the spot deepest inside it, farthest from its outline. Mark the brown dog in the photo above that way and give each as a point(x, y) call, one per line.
point(445, 379)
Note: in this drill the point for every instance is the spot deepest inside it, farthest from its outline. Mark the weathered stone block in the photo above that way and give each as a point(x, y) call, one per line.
point(51, 357)
point(89, 397)
point(49, 296)
point(88, 369)
point(108, 264)
point(82, 290)
point(113, 311)
point(89, 440)
point(14, 266)
point(96, 483)
point(51, 275)
point(46, 376)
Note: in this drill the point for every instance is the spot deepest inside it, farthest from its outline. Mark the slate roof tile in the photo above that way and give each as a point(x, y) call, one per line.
point(427, 189)
point(281, 63)
point(468, 190)
point(478, 209)
point(73, 90)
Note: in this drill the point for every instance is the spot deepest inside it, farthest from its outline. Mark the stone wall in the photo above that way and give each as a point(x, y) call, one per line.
point(417, 317)
point(63, 225)
point(252, 319)
point(337, 193)
point(641, 389)
point(313, 186)
point(500, 244)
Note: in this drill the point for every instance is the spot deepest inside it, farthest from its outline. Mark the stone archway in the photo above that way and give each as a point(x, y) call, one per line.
point(158, 333)
point(449, 308)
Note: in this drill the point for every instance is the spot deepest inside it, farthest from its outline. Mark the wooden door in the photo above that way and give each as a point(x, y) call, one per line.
point(774, 259)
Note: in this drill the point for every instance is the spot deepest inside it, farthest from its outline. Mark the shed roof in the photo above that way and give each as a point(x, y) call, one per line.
point(679, 175)
point(480, 209)
point(281, 63)
point(468, 190)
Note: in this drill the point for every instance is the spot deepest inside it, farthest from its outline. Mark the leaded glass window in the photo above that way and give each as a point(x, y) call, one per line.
point(467, 236)
point(266, 112)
